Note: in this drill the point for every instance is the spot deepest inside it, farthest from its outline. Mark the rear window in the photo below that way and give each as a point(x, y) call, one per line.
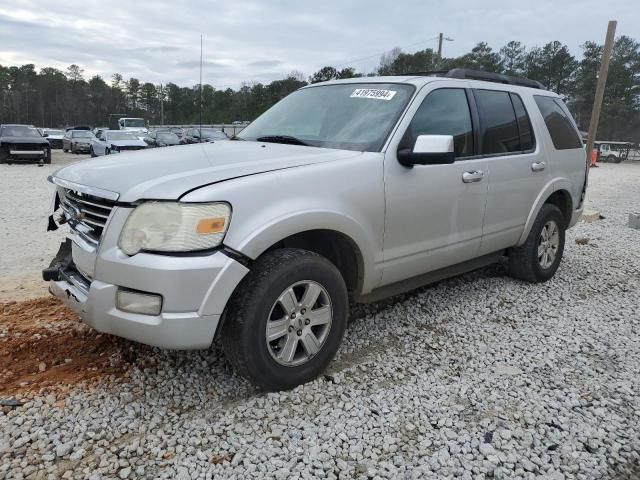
point(556, 118)
point(500, 132)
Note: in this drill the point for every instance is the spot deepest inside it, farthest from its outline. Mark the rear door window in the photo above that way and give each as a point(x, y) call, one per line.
point(498, 122)
point(563, 134)
point(527, 140)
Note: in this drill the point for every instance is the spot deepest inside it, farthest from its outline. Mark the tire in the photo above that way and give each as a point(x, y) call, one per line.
point(256, 302)
point(93, 154)
point(525, 262)
point(65, 150)
point(612, 159)
point(107, 151)
point(47, 157)
point(71, 149)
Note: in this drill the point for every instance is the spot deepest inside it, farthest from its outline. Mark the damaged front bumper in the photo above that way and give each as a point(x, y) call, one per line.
point(194, 290)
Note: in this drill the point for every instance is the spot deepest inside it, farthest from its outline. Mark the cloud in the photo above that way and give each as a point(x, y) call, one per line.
point(265, 63)
point(262, 41)
point(196, 64)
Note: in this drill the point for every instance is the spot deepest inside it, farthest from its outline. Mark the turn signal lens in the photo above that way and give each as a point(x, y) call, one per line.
point(211, 225)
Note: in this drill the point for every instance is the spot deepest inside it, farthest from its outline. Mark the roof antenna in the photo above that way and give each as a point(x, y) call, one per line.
point(200, 134)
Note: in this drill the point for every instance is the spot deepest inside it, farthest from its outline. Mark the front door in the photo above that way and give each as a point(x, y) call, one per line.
point(434, 213)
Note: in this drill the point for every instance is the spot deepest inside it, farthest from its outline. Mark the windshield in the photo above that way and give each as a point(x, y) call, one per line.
point(134, 122)
point(54, 132)
point(121, 136)
point(351, 116)
point(82, 134)
point(20, 131)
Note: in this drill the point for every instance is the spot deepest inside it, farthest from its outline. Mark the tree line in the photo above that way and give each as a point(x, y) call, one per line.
point(54, 98)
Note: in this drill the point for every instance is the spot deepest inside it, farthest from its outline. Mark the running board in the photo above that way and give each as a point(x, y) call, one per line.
point(421, 280)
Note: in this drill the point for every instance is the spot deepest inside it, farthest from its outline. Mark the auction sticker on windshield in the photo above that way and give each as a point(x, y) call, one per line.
point(374, 93)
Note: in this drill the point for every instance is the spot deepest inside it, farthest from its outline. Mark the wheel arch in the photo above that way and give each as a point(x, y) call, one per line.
point(555, 193)
point(336, 236)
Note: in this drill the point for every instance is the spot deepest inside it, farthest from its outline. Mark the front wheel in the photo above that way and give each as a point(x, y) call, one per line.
point(286, 319)
point(93, 154)
point(539, 257)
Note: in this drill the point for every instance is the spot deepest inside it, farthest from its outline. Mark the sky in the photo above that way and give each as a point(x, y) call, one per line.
point(261, 41)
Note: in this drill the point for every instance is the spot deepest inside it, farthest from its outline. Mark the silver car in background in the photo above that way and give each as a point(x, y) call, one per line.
point(115, 141)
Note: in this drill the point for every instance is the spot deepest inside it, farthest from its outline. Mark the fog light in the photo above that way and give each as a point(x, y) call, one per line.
point(137, 302)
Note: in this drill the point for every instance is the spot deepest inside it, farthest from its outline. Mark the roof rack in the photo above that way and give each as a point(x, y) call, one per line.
point(467, 73)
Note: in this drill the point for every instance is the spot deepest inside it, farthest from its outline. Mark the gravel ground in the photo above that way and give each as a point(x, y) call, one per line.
point(25, 195)
point(479, 376)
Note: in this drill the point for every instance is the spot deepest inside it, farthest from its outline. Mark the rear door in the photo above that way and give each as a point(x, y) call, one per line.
point(516, 163)
point(434, 213)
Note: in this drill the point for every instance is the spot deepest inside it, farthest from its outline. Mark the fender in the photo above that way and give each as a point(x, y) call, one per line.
point(552, 186)
point(260, 237)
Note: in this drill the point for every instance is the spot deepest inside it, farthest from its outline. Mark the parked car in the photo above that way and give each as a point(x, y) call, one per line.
point(23, 143)
point(77, 141)
point(179, 131)
point(162, 138)
point(198, 135)
point(53, 136)
point(135, 125)
point(115, 141)
point(360, 188)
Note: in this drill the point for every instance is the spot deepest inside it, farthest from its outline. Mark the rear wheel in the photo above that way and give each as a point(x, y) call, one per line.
point(539, 257)
point(286, 320)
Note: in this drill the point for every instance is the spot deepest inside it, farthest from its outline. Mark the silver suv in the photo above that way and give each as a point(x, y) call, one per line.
point(360, 188)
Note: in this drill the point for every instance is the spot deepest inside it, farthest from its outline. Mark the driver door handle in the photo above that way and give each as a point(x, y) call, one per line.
point(538, 166)
point(473, 176)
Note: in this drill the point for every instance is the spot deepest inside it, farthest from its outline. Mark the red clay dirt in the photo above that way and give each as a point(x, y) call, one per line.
point(44, 345)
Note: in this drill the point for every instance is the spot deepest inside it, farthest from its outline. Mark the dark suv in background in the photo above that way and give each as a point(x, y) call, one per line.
point(23, 143)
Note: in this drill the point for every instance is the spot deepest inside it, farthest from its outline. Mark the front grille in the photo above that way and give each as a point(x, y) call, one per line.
point(86, 214)
point(27, 146)
point(55, 143)
point(129, 147)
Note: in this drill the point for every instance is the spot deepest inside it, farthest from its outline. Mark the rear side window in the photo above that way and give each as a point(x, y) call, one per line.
point(499, 124)
point(445, 111)
point(524, 123)
point(563, 135)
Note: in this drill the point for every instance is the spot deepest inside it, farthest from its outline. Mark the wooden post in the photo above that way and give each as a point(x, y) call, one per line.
point(602, 80)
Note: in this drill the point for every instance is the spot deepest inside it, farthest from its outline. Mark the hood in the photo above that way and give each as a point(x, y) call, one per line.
point(166, 174)
point(54, 137)
point(11, 139)
point(127, 143)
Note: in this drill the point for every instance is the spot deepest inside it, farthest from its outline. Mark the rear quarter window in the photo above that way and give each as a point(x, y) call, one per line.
point(563, 134)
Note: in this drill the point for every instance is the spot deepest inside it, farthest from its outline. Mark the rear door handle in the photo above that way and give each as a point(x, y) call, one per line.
point(538, 166)
point(473, 176)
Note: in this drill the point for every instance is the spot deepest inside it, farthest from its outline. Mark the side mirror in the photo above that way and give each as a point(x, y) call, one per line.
point(45, 135)
point(428, 150)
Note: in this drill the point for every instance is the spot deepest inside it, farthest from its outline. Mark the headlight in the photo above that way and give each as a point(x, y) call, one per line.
point(175, 227)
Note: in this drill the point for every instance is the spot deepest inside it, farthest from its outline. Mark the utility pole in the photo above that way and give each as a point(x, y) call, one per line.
point(441, 39)
point(161, 105)
point(602, 80)
point(200, 133)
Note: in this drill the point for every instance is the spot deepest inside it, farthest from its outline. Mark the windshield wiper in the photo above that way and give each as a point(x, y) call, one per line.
point(287, 139)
